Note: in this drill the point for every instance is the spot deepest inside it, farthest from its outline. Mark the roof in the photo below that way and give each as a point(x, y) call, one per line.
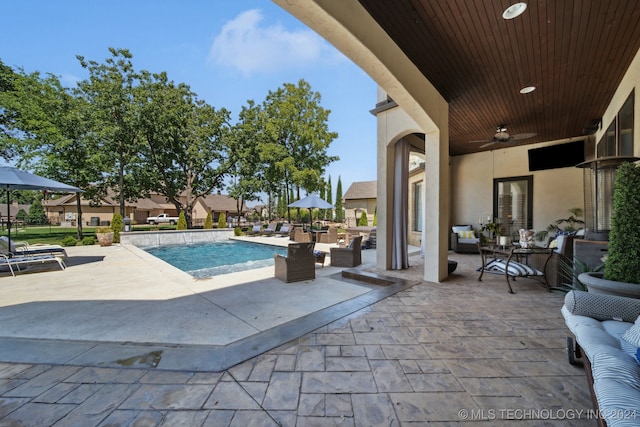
point(222, 203)
point(362, 190)
point(574, 52)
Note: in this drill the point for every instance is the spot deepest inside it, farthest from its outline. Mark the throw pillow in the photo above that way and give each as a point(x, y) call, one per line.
point(632, 335)
point(469, 234)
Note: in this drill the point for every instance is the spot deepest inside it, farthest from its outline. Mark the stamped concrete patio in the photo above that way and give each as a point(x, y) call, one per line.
point(407, 353)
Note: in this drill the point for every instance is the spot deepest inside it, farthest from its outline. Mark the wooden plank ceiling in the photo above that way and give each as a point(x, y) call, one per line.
point(575, 52)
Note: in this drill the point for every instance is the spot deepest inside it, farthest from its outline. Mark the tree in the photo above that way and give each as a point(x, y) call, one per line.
point(339, 210)
point(329, 199)
point(36, 214)
point(45, 127)
point(188, 149)
point(294, 138)
point(363, 221)
point(116, 226)
point(208, 222)
point(110, 90)
point(182, 222)
point(222, 220)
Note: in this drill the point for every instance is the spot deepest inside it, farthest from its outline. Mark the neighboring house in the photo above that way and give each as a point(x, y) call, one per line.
point(360, 197)
point(14, 208)
point(63, 210)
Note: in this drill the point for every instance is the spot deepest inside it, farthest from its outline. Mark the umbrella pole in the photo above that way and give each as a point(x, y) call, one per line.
point(8, 220)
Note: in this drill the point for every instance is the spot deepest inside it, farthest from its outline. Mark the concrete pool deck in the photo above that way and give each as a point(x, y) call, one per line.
point(120, 306)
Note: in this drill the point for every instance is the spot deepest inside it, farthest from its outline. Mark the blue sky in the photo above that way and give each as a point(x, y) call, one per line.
point(227, 51)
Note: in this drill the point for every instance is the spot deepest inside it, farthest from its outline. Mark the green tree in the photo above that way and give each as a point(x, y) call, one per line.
point(182, 222)
point(208, 222)
point(329, 199)
point(189, 150)
point(111, 90)
point(116, 226)
point(363, 221)
point(294, 139)
point(375, 217)
point(222, 220)
point(339, 210)
point(36, 214)
point(22, 215)
point(46, 128)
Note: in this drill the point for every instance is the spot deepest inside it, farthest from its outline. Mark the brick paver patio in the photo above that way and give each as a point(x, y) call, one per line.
point(460, 352)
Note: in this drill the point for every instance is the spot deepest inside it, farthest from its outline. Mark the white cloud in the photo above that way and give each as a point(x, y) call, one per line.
point(250, 48)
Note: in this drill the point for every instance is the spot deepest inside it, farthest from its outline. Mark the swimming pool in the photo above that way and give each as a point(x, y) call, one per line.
point(213, 259)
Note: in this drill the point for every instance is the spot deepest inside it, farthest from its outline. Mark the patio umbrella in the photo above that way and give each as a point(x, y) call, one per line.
point(16, 179)
point(310, 202)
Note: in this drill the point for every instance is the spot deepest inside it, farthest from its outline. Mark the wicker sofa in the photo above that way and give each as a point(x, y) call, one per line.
point(608, 346)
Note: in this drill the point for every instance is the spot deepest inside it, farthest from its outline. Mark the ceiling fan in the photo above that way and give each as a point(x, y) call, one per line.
point(503, 136)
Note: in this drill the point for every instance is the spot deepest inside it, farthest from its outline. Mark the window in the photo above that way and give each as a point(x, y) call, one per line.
point(513, 203)
point(618, 139)
point(418, 207)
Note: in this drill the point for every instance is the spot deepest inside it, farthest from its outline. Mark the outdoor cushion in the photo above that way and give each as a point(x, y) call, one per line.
point(633, 334)
point(457, 228)
point(466, 234)
point(469, 241)
point(515, 268)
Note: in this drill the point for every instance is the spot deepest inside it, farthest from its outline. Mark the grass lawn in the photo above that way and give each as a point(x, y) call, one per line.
point(54, 234)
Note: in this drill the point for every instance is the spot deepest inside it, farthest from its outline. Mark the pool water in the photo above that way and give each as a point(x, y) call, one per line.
point(213, 259)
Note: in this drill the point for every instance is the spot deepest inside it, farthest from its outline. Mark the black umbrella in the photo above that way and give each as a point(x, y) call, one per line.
point(16, 179)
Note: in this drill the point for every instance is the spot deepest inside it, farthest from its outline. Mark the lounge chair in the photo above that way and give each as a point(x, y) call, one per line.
point(285, 230)
point(16, 262)
point(256, 230)
point(350, 256)
point(299, 264)
point(25, 249)
point(271, 229)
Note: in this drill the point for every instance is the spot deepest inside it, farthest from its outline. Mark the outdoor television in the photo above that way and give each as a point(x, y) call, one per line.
point(556, 156)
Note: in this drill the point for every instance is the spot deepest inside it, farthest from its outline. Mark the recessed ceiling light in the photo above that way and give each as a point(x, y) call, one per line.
point(527, 89)
point(514, 10)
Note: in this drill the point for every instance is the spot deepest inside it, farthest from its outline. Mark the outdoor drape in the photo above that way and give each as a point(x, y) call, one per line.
point(399, 226)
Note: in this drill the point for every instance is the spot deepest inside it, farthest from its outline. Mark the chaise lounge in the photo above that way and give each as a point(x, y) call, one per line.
point(16, 262)
point(24, 249)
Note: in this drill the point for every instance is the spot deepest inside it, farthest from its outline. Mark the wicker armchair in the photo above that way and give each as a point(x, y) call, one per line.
point(350, 256)
point(331, 236)
point(299, 264)
point(301, 236)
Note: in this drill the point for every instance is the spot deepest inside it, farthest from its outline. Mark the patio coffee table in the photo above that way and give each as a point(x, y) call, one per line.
point(518, 263)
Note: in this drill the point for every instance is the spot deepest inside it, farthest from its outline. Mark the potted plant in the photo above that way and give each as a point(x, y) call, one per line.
point(622, 265)
point(573, 224)
point(105, 236)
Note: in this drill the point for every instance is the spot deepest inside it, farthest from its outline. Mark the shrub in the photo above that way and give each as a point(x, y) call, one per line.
point(182, 222)
point(363, 221)
point(116, 226)
point(237, 231)
point(623, 254)
point(69, 241)
point(208, 222)
point(375, 218)
point(36, 214)
point(222, 220)
point(88, 241)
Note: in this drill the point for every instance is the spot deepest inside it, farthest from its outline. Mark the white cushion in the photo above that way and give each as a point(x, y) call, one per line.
point(469, 241)
point(457, 228)
point(515, 268)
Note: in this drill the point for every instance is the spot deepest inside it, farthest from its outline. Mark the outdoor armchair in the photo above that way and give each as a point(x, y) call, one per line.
point(299, 264)
point(331, 236)
point(350, 256)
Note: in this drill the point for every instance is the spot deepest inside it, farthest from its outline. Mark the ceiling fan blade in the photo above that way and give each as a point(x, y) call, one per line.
point(520, 136)
point(478, 141)
point(488, 144)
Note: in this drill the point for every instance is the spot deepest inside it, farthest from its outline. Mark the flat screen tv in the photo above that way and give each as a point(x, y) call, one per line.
point(557, 156)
